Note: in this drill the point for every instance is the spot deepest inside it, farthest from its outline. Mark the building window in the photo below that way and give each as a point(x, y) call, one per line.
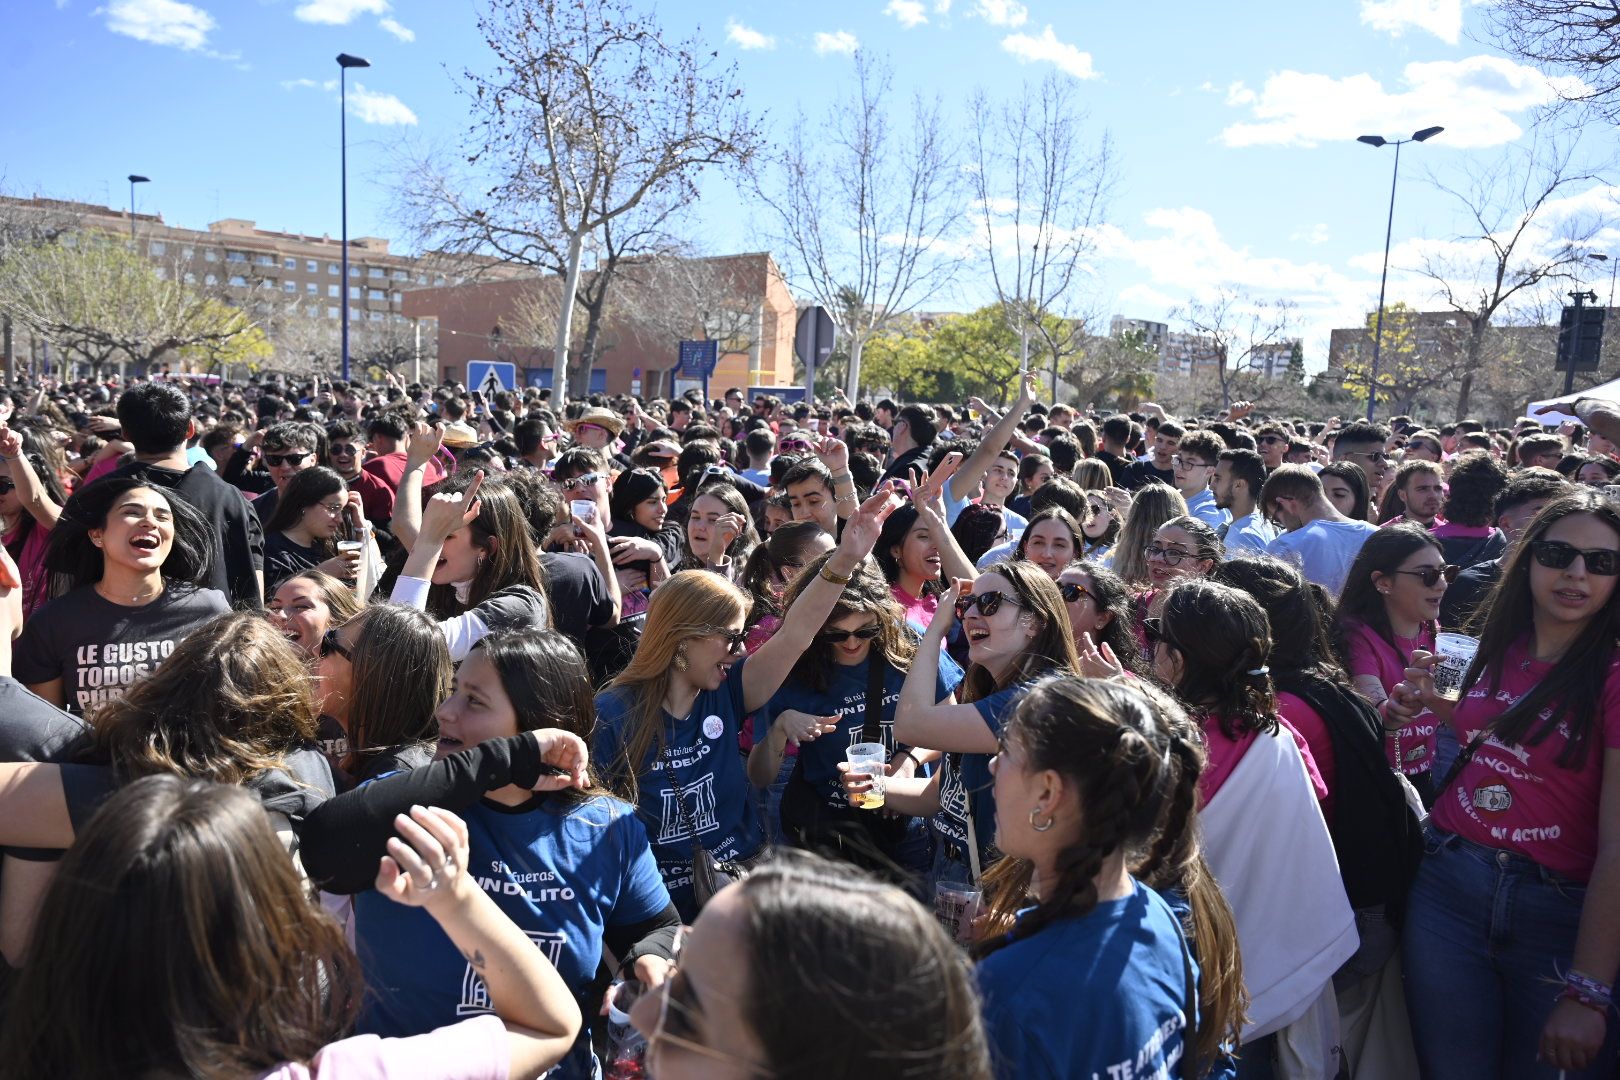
point(376, 316)
point(264, 260)
point(376, 294)
point(191, 279)
point(210, 280)
point(354, 292)
point(331, 268)
point(289, 286)
point(236, 256)
point(354, 271)
point(311, 266)
point(421, 279)
point(267, 283)
point(238, 279)
point(331, 313)
point(312, 288)
point(156, 247)
point(210, 254)
point(332, 291)
point(376, 272)
point(188, 253)
point(399, 298)
point(402, 275)
point(438, 279)
point(289, 264)
point(162, 273)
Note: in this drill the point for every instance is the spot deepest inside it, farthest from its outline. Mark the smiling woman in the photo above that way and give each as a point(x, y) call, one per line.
point(126, 561)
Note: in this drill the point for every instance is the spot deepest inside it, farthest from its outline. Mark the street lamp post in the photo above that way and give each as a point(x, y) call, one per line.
point(345, 62)
point(1383, 278)
point(133, 180)
point(1614, 264)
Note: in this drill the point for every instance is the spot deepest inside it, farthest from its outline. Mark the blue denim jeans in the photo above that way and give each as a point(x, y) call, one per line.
point(1487, 934)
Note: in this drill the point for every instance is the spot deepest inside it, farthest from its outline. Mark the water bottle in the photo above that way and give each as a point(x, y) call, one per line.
point(626, 1047)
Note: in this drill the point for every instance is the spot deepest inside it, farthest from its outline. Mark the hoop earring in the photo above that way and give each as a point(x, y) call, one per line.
point(1037, 826)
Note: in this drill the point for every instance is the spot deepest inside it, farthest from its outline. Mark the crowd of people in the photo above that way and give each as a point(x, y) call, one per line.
point(396, 731)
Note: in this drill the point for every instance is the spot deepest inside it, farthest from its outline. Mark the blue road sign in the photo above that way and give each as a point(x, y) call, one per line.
point(698, 359)
point(490, 377)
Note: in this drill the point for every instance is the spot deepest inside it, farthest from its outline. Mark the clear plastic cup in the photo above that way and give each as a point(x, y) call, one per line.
point(869, 759)
point(955, 905)
point(1456, 653)
point(350, 547)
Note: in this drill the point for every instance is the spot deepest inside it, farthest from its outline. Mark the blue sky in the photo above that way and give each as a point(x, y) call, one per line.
point(1234, 123)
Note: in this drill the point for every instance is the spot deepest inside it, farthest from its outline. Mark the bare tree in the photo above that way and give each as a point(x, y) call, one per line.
point(588, 112)
point(1577, 39)
point(1238, 329)
point(1041, 189)
point(1514, 245)
point(862, 212)
point(1115, 367)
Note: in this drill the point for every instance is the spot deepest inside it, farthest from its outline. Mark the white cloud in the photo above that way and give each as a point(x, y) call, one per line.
point(1316, 234)
point(840, 41)
point(910, 12)
point(1473, 96)
point(370, 107)
point(393, 26)
point(298, 84)
point(1001, 12)
point(338, 12)
point(1048, 49)
point(160, 22)
point(942, 7)
point(745, 37)
point(1442, 18)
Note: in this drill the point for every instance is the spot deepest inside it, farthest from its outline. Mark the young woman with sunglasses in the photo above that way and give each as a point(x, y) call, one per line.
point(186, 877)
point(1100, 530)
point(1096, 792)
point(1388, 610)
point(667, 726)
point(1017, 630)
point(315, 512)
point(1264, 834)
point(809, 968)
point(127, 564)
point(569, 864)
point(380, 676)
point(1152, 505)
point(31, 499)
point(822, 707)
point(1101, 611)
point(1521, 871)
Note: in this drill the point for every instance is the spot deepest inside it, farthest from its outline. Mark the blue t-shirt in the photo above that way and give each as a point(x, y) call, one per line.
point(1099, 997)
point(963, 776)
point(562, 873)
point(845, 695)
point(1323, 550)
point(702, 750)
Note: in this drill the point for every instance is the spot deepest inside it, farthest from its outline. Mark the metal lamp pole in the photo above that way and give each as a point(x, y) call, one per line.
point(345, 62)
point(1614, 265)
point(133, 180)
point(1389, 227)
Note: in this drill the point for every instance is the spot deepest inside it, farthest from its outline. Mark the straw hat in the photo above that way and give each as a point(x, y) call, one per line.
point(604, 418)
point(459, 434)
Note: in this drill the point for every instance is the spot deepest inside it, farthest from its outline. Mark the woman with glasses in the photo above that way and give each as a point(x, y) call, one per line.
point(31, 499)
point(1101, 612)
point(1151, 506)
point(474, 564)
point(186, 877)
point(1017, 630)
point(826, 705)
point(808, 968)
point(127, 562)
point(567, 862)
point(1389, 609)
point(1345, 485)
point(667, 725)
point(379, 677)
point(1100, 531)
point(1423, 446)
point(1264, 834)
point(1511, 945)
point(312, 515)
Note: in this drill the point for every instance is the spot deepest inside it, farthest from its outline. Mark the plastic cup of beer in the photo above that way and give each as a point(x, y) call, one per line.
point(350, 547)
point(1456, 654)
point(869, 759)
point(955, 905)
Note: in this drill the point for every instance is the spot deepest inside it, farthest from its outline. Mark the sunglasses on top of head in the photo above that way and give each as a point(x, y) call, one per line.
point(1431, 575)
point(988, 603)
point(1557, 555)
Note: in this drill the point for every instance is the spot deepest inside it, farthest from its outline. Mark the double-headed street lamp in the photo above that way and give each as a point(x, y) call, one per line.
point(1614, 264)
point(133, 180)
point(345, 62)
point(1378, 328)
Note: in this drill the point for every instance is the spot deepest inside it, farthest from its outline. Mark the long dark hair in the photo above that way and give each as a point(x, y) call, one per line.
point(893, 534)
point(501, 532)
point(773, 558)
point(1077, 535)
point(401, 673)
point(630, 488)
point(548, 683)
point(729, 497)
point(304, 490)
point(866, 592)
point(829, 946)
point(36, 452)
point(74, 560)
point(1356, 477)
point(1225, 645)
point(1110, 593)
point(177, 940)
point(1361, 602)
point(1572, 692)
point(1301, 614)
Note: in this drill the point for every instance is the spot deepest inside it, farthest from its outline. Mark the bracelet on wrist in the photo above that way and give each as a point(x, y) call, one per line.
point(827, 574)
point(845, 477)
point(1571, 994)
point(1587, 987)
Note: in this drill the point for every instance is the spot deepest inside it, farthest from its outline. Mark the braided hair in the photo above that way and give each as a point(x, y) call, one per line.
point(1224, 640)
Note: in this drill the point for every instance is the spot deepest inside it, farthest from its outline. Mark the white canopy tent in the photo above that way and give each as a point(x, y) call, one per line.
point(1609, 390)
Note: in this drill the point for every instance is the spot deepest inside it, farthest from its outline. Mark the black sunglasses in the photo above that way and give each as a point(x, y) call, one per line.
point(1153, 630)
point(1072, 592)
point(838, 637)
point(331, 643)
point(988, 603)
point(1557, 555)
point(287, 459)
point(1431, 575)
point(6, 486)
point(736, 640)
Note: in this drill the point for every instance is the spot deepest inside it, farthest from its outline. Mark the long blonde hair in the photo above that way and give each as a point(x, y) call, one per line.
point(690, 604)
point(1152, 506)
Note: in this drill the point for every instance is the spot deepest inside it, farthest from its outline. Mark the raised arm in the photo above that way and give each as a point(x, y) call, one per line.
point(929, 499)
point(768, 668)
point(995, 440)
point(30, 491)
point(943, 725)
point(422, 442)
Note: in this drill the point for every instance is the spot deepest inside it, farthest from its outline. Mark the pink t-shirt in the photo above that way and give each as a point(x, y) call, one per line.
point(31, 565)
point(919, 609)
point(1305, 720)
point(473, 1049)
point(1372, 655)
point(1223, 754)
point(1518, 798)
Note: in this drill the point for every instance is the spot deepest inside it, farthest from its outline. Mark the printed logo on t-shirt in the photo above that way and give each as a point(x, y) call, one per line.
point(700, 809)
point(713, 727)
point(105, 671)
point(1494, 798)
point(475, 995)
point(953, 797)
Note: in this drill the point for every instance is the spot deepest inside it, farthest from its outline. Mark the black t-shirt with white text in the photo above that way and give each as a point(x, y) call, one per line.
point(99, 648)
